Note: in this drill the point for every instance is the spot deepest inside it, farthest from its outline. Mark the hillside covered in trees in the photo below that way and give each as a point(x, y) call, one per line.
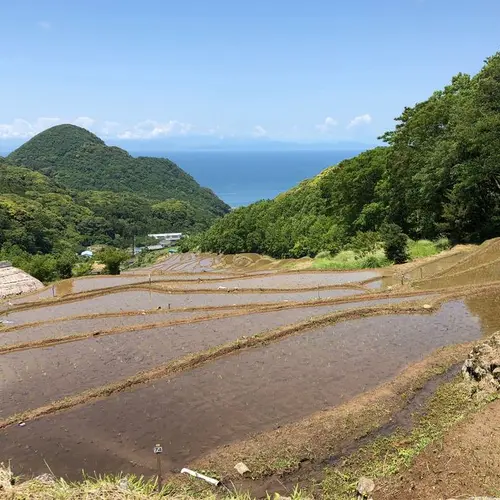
point(439, 175)
point(78, 159)
point(65, 189)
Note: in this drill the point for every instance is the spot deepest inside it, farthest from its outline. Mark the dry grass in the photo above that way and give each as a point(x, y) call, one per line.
point(107, 487)
point(387, 456)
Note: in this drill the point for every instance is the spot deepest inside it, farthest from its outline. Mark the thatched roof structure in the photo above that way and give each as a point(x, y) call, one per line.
point(13, 281)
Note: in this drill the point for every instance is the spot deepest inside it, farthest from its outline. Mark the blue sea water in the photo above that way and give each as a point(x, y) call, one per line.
point(240, 177)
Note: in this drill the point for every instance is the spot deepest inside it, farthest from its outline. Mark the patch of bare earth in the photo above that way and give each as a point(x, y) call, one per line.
point(465, 463)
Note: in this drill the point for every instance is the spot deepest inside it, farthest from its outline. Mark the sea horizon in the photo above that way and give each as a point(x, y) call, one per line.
point(244, 177)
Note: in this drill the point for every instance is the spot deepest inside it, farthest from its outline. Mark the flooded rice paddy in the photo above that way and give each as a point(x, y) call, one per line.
point(226, 398)
point(136, 300)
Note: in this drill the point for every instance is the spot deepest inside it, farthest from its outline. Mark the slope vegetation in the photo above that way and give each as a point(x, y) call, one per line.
point(439, 175)
point(79, 160)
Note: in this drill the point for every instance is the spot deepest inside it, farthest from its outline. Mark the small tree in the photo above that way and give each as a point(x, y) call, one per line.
point(64, 264)
point(395, 243)
point(364, 242)
point(112, 258)
point(42, 267)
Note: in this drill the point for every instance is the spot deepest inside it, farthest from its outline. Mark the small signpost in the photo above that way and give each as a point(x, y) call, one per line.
point(158, 450)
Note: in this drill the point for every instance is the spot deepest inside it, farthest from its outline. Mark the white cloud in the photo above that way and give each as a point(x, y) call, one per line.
point(360, 120)
point(259, 131)
point(23, 129)
point(327, 125)
point(109, 128)
point(45, 25)
point(150, 129)
point(84, 121)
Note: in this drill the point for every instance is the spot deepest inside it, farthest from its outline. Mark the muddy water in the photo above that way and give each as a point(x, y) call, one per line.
point(188, 263)
point(234, 396)
point(80, 326)
point(295, 280)
point(486, 306)
point(422, 272)
point(70, 368)
point(76, 326)
point(436, 266)
point(374, 285)
point(475, 276)
point(137, 300)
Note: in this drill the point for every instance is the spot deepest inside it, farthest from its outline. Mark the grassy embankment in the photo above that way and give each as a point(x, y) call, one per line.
point(352, 259)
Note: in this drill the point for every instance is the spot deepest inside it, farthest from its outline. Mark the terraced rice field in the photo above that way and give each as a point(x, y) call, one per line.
point(209, 353)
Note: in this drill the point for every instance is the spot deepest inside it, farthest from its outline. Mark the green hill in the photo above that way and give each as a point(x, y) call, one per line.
point(78, 159)
point(439, 175)
point(65, 190)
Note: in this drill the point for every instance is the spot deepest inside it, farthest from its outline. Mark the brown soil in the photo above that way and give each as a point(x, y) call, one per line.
point(466, 463)
point(263, 364)
point(52, 333)
point(292, 280)
point(101, 359)
point(223, 401)
point(132, 300)
point(63, 328)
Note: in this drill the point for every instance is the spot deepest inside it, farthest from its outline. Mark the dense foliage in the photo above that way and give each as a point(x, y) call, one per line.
point(79, 160)
point(112, 258)
point(55, 204)
point(438, 175)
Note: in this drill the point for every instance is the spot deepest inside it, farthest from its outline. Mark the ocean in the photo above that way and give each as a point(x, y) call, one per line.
point(241, 178)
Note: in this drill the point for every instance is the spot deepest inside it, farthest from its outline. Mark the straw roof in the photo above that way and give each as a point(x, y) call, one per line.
point(13, 281)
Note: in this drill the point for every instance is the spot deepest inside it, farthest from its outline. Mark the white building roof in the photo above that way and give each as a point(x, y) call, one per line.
point(165, 236)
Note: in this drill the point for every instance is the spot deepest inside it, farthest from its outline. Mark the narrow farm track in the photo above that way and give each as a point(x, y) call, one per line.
point(200, 346)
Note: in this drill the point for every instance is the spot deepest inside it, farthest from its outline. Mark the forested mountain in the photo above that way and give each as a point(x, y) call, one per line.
point(438, 175)
point(65, 189)
point(37, 215)
point(78, 159)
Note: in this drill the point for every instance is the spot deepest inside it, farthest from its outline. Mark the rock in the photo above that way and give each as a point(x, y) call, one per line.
point(123, 484)
point(482, 368)
point(241, 468)
point(365, 487)
point(427, 306)
point(46, 478)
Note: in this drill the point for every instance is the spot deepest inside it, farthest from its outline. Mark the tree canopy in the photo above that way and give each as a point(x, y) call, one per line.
point(65, 190)
point(439, 174)
point(79, 160)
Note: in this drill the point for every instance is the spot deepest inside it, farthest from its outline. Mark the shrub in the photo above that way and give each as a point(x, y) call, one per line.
point(324, 254)
point(82, 268)
point(64, 265)
point(395, 243)
point(42, 267)
point(364, 242)
point(421, 248)
point(442, 244)
point(112, 258)
point(374, 260)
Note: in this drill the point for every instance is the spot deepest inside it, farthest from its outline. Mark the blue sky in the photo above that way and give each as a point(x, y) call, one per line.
point(316, 70)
